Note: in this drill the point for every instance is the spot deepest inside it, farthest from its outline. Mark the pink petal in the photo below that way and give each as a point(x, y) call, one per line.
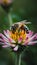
point(30, 34)
point(7, 34)
point(3, 37)
point(1, 40)
point(32, 42)
point(16, 48)
point(34, 36)
point(11, 40)
point(30, 39)
point(19, 40)
point(4, 46)
point(12, 45)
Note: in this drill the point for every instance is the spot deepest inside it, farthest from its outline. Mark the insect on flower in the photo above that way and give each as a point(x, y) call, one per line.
point(20, 26)
point(19, 34)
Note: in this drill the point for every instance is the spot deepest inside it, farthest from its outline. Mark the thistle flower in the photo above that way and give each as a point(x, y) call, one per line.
point(14, 40)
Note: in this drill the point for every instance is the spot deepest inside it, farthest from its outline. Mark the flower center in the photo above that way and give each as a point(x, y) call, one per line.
point(18, 34)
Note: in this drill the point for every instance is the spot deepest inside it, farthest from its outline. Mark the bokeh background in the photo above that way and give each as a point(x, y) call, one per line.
point(20, 10)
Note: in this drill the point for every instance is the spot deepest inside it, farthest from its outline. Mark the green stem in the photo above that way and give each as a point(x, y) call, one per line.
point(18, 59)
point(10, 19)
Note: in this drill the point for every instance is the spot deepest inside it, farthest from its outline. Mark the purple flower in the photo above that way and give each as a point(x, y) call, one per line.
point(10, 40)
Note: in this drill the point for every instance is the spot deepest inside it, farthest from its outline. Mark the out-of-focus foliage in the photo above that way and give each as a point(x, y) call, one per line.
point(20, 10)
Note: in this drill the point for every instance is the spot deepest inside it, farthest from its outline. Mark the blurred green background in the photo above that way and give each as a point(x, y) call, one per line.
point(20, 10)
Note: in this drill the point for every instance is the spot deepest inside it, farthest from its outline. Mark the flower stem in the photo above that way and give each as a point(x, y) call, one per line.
point(10, 19)
point(18, 59)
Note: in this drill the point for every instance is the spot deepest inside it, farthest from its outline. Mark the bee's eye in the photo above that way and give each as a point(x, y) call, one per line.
point(13, 28)
point(27, 31)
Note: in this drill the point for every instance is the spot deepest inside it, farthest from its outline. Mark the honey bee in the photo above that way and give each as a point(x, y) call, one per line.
point(20, 26)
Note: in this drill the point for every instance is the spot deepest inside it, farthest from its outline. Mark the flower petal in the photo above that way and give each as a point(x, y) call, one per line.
point(3, 37)
point(33, 37)
point(19, 40)
point(30, 39)
point(11, 40)
point(12, 45)
point(1, 40)
point(32, 43)
point(30, 33)
point(8, 36)
point(4, 46)
point(16, 48)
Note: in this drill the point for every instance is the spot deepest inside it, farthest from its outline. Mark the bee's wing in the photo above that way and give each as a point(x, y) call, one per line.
point(21, 22)
point(25, 22)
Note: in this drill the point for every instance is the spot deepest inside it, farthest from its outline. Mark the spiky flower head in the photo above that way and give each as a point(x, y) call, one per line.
point(17, 35)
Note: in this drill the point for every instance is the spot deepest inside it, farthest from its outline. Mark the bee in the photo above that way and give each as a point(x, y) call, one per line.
point(20, 26)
